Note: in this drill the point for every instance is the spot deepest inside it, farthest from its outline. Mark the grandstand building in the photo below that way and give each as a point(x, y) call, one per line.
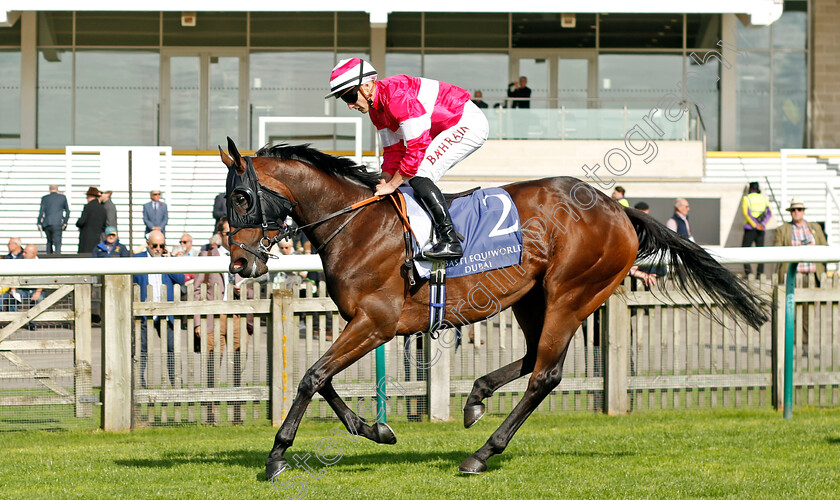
point(690, 99)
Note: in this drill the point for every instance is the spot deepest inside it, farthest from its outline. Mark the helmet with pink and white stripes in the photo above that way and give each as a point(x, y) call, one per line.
point(349, 73)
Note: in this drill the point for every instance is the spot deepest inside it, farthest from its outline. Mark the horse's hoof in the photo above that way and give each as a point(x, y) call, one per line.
point(472, 465)
point(274, 468)
point(473, 414)
point(384, 433)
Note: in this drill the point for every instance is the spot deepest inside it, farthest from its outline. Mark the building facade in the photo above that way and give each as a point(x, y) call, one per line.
point(188, 80)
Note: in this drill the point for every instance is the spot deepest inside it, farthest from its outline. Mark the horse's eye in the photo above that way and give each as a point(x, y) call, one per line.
point(240, 202)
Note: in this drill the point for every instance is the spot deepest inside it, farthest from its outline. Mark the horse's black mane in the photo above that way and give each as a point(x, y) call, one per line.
point(323, 161)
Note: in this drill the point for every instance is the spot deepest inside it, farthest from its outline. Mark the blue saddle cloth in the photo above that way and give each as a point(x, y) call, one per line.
point(489, 222)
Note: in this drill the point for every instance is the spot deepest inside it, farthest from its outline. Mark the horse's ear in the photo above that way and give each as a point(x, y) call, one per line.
point(227, 160)
point(235, 158)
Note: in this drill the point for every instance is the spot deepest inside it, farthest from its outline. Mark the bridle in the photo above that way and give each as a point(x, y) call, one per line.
point(267, 210)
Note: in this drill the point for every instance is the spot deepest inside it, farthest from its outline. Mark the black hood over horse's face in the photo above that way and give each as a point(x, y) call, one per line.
point(251, 207)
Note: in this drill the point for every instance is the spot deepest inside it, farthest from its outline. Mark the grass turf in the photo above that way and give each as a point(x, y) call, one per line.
point(689, 454)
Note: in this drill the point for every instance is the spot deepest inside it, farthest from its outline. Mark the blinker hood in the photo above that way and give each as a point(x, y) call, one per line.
point(266, 208)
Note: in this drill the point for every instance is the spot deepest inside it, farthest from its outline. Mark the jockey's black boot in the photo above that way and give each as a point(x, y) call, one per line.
point(447, 246)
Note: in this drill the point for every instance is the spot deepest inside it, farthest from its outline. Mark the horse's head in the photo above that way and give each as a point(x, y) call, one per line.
point(255, 214)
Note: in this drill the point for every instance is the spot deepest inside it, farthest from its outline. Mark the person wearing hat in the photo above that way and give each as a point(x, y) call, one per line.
point(425, 126)
point(91, 223)
point(757, 213)
point(800, 232)
point(111, 247)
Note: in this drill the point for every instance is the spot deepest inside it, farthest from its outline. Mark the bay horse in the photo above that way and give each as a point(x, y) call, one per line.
point(578, 245)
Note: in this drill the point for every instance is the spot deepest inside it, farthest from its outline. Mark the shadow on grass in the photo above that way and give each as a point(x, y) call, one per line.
point(441, 461)
point(593, 454)
point(833, 440)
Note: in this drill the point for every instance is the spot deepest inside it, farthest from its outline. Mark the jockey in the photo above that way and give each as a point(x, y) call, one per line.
point(425, 126)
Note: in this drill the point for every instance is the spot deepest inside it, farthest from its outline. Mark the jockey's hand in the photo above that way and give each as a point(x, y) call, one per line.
point(384, 188)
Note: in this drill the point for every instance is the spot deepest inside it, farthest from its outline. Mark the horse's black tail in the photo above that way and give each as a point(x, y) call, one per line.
point(696, 272)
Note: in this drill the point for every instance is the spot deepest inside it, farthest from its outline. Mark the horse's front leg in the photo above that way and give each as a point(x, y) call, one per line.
point(360, 336)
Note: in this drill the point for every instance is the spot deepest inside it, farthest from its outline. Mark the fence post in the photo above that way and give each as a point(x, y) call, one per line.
point(83, 348)
point(281, 341)
point(778, 346)
point(615, 343)
point(116, 352)
point(437, 383)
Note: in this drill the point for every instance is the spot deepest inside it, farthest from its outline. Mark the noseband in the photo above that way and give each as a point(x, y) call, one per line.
point(267, 210)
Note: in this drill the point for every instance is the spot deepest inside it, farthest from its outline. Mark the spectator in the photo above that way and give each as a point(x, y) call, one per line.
point(642, 207)
point(800, 232)
point(111, 247)
point(520, 93)
point(110, 208)
point(53, 217)
point(155, 213)
point(679, 221)
point(618, 195)
point(757, 213)
point(478, 101)
point(223, 230)
point(15, 249)
point(156, 245)
point(91, 223)
point(186, 249)
point(219, 208)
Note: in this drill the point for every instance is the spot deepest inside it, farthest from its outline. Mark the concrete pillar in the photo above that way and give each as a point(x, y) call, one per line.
point(28, 80)
point(729, 85)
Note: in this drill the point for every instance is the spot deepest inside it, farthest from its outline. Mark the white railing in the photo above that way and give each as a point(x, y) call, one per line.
point(356, 121)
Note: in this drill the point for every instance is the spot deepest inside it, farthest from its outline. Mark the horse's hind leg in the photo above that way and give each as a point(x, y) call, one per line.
point(530, 314)
point(378, 433)
point(547, 373)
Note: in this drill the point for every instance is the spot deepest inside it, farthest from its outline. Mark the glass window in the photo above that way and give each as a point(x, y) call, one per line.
point(791, 30)
point(632, 31)
point(10, 98)
point(789, 99)
point(184, 101)
point(753, 96)
point(212, 29)
point(703, 31)
point(403, 29)
point(55, 98)
point(118, 28)
point(293, 29)
point(474, 30)
point(573, 82)
point(55, 28)
point(544, 30)
point(752, 37)
point(116, 97)
point(290, 84)
point(402, 63)
point(223, 97)
point(471, 71)
point(638, 80)
point(353, 29)
point(702, 89)
point(10, 36)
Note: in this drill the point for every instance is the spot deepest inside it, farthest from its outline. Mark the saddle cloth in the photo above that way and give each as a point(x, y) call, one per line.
point(489, 222)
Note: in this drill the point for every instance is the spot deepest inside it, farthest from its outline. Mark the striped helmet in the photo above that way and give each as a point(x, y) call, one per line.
point(349, 73)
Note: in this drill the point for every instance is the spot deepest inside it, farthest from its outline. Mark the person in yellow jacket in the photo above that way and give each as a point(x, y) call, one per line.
point(618, 195)
point(757, 213)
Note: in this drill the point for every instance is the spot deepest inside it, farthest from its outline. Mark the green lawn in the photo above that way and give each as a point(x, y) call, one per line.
point(689, 454)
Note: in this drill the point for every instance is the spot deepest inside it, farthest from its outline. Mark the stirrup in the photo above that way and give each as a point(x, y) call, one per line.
point(444, 250)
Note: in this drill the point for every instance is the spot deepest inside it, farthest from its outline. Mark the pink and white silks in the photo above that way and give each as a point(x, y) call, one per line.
point(425, 126)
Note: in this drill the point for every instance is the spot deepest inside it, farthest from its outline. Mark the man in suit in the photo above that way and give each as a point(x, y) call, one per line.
point(156, 248)
point(53, 217)
point(91, 223)
point(155, 213)
point(219, 208)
